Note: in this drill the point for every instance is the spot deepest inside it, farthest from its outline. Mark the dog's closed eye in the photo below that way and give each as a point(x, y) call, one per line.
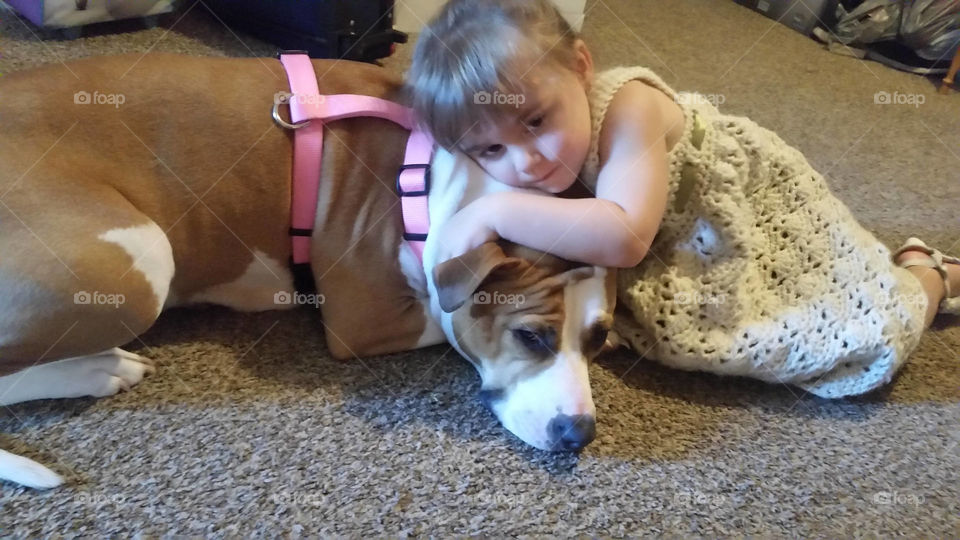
point(538, 341)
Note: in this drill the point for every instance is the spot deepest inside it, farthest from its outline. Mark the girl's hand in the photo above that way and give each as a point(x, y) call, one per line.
point(469, 228)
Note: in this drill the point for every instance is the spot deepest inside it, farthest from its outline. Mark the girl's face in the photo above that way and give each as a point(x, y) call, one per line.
point(544, 146)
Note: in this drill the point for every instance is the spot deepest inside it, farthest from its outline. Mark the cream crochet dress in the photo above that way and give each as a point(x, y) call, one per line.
point(757, 269)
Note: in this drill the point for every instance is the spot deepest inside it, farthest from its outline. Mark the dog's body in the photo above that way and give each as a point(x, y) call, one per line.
point(111, 212)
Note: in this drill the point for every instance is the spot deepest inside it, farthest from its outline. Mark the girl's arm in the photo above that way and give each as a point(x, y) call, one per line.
point(593, 231)
point(616, 228)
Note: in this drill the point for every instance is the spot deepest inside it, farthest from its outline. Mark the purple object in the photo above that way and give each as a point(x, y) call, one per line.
point(74, 13)
point(31, 9)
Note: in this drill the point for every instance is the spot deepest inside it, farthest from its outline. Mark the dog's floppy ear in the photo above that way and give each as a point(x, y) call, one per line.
point(459, 277)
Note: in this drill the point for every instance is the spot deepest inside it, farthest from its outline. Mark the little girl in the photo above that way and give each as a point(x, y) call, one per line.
point(735, 257)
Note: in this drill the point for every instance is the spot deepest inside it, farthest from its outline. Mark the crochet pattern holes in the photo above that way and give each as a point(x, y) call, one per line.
point(763, 273)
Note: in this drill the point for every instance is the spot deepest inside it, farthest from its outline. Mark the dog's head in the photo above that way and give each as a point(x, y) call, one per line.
point(530, 323)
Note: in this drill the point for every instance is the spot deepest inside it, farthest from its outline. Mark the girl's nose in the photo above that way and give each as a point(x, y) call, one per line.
point(528, 158)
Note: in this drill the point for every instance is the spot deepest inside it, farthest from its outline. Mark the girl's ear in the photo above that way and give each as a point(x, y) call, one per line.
point(582, 62)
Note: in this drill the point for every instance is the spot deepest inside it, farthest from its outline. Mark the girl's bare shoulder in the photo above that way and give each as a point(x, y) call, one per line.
point(639, 106)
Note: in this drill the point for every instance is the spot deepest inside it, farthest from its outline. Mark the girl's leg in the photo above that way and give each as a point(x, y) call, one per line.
point(932, 282)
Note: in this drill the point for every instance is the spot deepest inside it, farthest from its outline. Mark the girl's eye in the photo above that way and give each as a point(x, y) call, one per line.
point(491, 151)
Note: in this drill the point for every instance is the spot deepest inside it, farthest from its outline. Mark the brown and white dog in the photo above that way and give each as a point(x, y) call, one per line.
point(129, 185)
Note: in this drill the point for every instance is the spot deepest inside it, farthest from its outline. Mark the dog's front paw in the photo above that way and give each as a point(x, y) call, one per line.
point(115, 370)
point(97, 375)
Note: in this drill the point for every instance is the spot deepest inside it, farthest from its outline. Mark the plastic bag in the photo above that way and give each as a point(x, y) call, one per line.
point(871, 21)
point(931, 28)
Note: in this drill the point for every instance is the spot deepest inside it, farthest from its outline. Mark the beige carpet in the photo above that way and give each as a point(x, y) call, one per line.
point(248, 428)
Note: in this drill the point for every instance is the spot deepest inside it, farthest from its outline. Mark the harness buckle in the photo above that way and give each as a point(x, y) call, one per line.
point(426, 180)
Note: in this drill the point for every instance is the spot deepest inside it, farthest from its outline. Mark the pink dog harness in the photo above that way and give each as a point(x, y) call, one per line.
point(309, 111)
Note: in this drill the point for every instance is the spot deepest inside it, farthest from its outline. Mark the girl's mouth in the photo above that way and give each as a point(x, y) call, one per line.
point(546, 177)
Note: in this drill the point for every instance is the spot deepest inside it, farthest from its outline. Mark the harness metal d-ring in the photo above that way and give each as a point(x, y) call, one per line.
point(283, 123)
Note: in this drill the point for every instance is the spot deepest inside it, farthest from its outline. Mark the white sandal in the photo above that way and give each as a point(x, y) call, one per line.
point(936, 260)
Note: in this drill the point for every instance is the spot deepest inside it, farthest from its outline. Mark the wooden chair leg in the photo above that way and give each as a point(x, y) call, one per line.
point(948, 80)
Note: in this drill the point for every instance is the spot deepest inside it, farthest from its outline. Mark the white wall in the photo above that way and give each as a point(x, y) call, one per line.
point(410, 15)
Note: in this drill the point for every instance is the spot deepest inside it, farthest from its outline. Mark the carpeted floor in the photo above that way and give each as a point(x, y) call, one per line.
point(248, 428)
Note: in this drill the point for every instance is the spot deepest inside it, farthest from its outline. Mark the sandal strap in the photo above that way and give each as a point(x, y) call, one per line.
point(913, 244)
point(935, 261)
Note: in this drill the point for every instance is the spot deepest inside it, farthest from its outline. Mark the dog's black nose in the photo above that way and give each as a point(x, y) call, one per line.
point(571, 432)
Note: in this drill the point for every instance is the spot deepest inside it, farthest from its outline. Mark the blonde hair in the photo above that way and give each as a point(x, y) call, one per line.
point(475, 49)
